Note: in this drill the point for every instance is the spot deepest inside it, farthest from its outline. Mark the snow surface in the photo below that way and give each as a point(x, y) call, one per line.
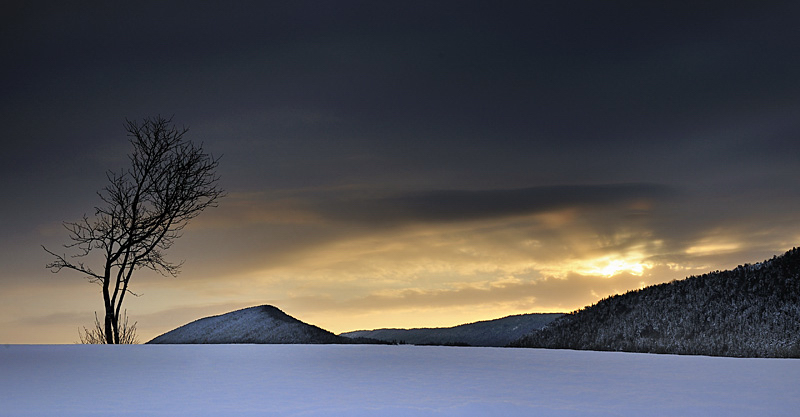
point(367, 380)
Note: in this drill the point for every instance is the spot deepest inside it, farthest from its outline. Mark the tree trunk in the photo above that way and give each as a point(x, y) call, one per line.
point(109, 325)
point(109, 320)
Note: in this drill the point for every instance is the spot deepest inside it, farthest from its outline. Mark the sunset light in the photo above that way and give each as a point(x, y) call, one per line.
point(709, 247)
point(616, 266)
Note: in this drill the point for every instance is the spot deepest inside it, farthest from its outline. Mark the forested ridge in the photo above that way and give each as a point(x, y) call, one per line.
point(750, 311)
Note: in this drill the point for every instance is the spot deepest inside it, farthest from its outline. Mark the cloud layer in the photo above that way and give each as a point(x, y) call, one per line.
point(466, 205)
point(397, 164)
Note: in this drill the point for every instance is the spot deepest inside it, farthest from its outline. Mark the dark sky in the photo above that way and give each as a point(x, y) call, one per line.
point(406, 163)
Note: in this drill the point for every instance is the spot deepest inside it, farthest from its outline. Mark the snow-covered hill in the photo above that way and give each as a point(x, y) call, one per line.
point(261, 324)
point(499, 332)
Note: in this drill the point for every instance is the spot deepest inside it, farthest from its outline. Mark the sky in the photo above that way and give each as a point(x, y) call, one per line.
point(403, 164)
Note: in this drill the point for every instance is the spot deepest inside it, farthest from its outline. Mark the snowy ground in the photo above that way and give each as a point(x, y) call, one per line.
point(361, 380)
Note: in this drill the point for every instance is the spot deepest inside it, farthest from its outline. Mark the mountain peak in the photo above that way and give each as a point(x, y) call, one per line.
point(264, 324)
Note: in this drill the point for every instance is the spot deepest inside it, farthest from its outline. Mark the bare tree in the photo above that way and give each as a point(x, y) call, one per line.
point(145, 207)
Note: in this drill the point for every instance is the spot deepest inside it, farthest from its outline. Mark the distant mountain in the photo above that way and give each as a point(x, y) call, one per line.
point(499, 332)
point(262, 324)
point(751, 311)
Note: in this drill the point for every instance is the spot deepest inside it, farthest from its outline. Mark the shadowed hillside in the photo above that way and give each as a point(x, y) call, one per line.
point(751, 311)
point(498, 332)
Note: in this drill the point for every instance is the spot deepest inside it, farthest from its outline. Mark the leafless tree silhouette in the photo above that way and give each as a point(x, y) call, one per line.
point(145, 207)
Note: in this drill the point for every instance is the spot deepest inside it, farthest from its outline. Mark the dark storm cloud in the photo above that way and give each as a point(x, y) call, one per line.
point(412, 96)
point(464, 205)
point(538, 91)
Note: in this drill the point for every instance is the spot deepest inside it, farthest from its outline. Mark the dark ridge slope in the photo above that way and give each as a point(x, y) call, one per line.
point(499, 332)
point(751, 311)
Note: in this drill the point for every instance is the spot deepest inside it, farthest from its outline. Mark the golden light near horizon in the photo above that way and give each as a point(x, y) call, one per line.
point(444, 274)
point(616, 266)
point(712, 247)
point(632, 260)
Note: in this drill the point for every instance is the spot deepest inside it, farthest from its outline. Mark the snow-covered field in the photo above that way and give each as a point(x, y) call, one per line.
point(366, 380)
